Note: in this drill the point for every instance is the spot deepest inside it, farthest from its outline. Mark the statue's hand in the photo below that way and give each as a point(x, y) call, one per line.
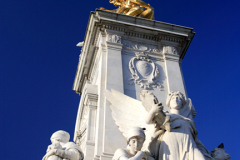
point(49, 153)
point(156, 108)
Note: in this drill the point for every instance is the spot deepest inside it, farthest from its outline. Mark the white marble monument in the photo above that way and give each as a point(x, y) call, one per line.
point(124, 60)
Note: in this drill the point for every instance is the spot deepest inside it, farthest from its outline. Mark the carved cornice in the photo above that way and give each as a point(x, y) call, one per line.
point(113, 27)
point(157, 37)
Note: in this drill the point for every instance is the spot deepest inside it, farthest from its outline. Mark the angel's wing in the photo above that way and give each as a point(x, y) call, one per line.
point(127, 112)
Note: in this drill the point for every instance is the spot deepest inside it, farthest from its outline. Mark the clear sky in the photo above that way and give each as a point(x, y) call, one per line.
point(39, 59)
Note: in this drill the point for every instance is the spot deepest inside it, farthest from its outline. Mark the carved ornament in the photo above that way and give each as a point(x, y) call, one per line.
point(136, 8)
point(170, 50)
point(140, 47)
point(144, 72)
point(114, 38)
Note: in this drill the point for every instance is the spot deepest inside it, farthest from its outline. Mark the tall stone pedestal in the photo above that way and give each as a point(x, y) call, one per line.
point(127, 54)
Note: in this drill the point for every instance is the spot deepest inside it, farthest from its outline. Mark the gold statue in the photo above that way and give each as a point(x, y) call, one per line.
point(136, 8)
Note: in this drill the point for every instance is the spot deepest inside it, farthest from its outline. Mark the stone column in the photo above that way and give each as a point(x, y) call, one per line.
point(101, 88)
point(114, 61)
point(91, 129)
point(87, 128)
point(172, 69)
point(111, 78)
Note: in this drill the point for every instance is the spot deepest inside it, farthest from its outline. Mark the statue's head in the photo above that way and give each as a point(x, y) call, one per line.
point(175, 100)
point(220, 154)
point(60, 137)
point(136, 138)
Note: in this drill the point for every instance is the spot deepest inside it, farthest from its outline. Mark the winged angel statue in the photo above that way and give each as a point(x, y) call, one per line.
point(169, 136)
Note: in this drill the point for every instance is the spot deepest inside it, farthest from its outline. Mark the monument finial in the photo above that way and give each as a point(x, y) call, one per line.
point(136, 8)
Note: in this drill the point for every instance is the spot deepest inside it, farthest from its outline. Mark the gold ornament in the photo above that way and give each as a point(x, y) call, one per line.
point(136, 8)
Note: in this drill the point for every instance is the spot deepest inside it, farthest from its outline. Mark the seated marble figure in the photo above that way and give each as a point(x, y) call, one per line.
point(61, 148)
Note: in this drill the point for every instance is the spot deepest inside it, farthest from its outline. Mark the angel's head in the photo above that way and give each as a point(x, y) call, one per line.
point(135, 139)
point(175, 100)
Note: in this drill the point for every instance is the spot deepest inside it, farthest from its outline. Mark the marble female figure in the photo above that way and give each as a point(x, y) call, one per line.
point(181, 142)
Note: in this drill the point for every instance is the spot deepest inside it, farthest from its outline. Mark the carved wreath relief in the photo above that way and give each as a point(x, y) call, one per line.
point(144, 72)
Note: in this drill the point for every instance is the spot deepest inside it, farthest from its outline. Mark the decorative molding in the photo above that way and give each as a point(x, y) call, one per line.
point(113, 38)
point(140, 47)
point(144, 36)
point(112, 27)
point(144, 71)
point(153, 37)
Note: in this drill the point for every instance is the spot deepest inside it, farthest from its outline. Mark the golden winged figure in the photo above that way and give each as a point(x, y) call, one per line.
point(136, 8)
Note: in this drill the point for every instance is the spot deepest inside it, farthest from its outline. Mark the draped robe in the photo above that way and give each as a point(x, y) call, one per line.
point(182, 142)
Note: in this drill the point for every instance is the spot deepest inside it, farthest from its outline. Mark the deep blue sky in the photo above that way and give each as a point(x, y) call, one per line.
point(39, 58)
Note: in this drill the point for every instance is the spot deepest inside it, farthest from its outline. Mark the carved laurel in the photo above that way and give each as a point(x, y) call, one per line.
point(144, 72)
